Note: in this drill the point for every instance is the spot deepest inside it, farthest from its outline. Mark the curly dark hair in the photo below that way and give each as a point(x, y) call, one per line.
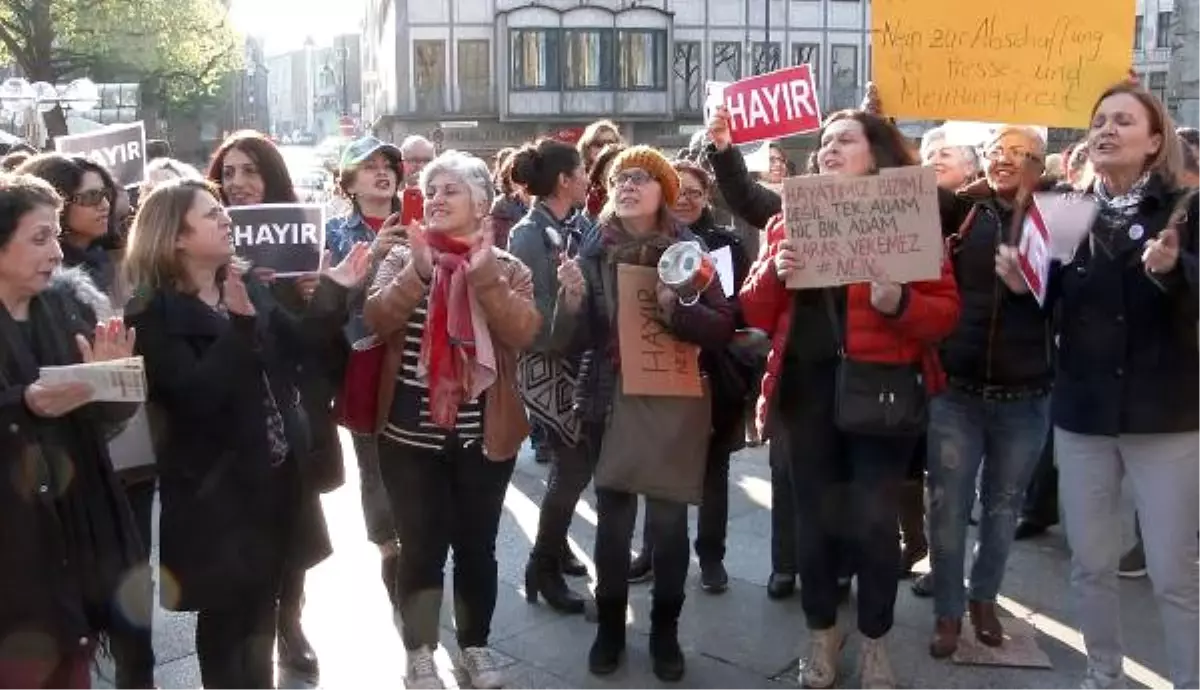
point(277, 181)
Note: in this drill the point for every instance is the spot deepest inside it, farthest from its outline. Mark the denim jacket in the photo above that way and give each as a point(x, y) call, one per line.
point(341, 234)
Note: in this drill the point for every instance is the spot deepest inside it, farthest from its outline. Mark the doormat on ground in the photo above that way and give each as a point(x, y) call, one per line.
point(1020, 648)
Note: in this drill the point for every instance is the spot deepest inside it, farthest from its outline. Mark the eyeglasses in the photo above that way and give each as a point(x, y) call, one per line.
point(691, 194)
point(601, 143)
point(635, 176)
point(91, 197)
point(1018, 155)
point(778, 160)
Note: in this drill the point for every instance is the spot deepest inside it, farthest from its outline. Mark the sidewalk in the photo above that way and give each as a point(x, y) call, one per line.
point(740, 639)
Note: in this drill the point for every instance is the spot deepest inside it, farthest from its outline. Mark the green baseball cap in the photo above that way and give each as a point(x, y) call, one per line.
point(363, 148)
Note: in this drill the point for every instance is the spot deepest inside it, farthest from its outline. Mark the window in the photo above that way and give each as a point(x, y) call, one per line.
point(727, 61)
point(764, 57)
point(474, 75)
point(808, 54)
point(1158, 85)
point(1139, 26)
point(843, 76)
point(534, 56)
point(689, 77)
point(429, 75)
point(586, 60)
point(1163, 32)
point(642, 60)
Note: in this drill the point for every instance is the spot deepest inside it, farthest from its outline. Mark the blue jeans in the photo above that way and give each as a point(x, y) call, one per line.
point(1007, 437)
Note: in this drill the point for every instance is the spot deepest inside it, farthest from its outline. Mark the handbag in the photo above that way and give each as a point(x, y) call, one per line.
point(357, 405)
point(547, 386)
point(656, 446)
point(876, 398)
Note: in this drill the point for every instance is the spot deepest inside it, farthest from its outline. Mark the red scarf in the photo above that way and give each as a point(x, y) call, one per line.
point(448, 344)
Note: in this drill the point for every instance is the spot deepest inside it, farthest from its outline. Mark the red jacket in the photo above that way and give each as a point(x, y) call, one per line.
point(929, 313)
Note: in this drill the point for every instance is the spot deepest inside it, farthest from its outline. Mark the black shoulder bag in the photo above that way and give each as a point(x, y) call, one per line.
point(875, 398)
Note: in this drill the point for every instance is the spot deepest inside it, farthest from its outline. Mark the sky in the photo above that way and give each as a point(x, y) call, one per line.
point(284, 24)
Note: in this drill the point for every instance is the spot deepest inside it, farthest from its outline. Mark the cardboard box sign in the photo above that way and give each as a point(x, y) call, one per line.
point(850, 229)
point(121, 149)
point(288, 238)
point(653, 362)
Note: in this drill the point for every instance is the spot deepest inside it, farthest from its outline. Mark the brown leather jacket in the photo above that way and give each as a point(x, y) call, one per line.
point(503, 287)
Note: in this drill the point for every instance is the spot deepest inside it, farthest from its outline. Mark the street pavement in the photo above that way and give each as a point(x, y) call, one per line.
point(739, 639)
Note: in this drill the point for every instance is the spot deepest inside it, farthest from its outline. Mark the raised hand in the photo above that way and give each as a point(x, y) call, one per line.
point(391, 234)
point(1162, 252)
point(237, 298)
point(570, 282)
point(1008, 269)
point(353, 269)
point(718, 128)
point(112, 341)
point(422, 256)
point(481, 250)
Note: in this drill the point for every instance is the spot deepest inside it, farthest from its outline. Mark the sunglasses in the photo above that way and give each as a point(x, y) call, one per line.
point(90, 198)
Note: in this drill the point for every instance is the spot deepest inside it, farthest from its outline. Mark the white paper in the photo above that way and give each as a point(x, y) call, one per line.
point(714, 95)
point(757, 156)
point(723, 258)
point(1068, 219)
point(117, 380)
point(1034, 259)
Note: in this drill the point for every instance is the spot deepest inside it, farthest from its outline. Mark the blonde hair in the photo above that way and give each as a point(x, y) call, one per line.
point(1167, 163)
point(152, 261)
point(593, 132)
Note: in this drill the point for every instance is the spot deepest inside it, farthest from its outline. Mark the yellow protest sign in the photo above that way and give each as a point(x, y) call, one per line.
point(1020, 62)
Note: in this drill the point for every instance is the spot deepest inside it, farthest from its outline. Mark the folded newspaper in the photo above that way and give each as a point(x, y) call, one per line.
point(116, 380)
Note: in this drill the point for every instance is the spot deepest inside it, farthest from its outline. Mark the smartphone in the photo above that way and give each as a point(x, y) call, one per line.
point(412, 206)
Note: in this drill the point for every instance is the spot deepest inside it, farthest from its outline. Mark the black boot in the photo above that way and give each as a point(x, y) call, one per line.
point(664, 639)
point(912, 525)
point(545, 576)
point(605, 655)
point(572, 566)
point(295, 654)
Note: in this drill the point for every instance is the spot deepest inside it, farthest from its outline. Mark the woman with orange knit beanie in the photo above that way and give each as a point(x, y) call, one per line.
point(635, 227)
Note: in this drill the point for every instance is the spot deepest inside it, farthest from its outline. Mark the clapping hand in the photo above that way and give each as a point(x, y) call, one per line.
point(1008, 269)
point(570, 281)
point(1161, 253)
point(481, 249)
point(353, 269)
point(391, 234)
point(112, 341)
point(422, 256)
point(237, 298)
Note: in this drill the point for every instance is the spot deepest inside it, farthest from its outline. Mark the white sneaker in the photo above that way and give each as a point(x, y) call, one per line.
point(422, 671)
point(1098, 680)
point(819, 668)
point(482, 668)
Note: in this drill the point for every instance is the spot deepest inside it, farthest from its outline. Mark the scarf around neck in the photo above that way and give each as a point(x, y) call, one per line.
point(456, 351)
point(1119, 210)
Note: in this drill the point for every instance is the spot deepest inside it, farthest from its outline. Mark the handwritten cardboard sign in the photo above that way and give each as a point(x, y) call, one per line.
point(653, 362)
point(1027, 62)
point(121, 149)
point(769, 106)
point(850, 229)
point(1033, 253)
point(288, 238)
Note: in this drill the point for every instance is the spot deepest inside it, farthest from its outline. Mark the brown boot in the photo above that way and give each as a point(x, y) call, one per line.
point(946, 632)
point(988, 629)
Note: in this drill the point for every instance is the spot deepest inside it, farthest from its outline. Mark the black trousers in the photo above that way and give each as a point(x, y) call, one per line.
point(445, 499)
point(131, 639)
point(569, 476)
point(667, 530)
point(783, 509)
point(235, 642)
point(846, 491)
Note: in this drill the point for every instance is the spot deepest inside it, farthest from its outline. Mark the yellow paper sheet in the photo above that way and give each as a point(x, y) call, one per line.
point(1034, 62)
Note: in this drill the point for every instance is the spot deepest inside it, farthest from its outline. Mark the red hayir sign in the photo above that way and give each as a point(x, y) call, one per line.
point(773, 105)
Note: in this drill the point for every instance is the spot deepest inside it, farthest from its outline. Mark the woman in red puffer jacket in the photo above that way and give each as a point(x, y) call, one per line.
point(879, 322)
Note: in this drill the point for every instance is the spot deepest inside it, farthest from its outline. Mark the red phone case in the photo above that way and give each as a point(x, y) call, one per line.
point(412, 207)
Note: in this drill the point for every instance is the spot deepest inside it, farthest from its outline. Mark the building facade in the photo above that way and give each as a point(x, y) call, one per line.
point(483, 74)
point(312, 89)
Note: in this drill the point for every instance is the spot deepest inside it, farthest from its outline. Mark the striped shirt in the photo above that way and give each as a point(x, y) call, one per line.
point(409, 422)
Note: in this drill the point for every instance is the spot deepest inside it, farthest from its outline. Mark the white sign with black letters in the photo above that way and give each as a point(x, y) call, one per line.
point(288, 238)
point(121, 149)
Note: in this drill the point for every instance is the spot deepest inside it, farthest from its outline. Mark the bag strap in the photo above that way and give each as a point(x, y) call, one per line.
point(964, 229)
point(835, 321)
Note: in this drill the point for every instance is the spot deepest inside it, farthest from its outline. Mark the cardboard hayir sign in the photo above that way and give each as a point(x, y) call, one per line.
point(288, 238)
point(853, 229)
point(121, 149)
point(768, 106)
point(653, 362)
